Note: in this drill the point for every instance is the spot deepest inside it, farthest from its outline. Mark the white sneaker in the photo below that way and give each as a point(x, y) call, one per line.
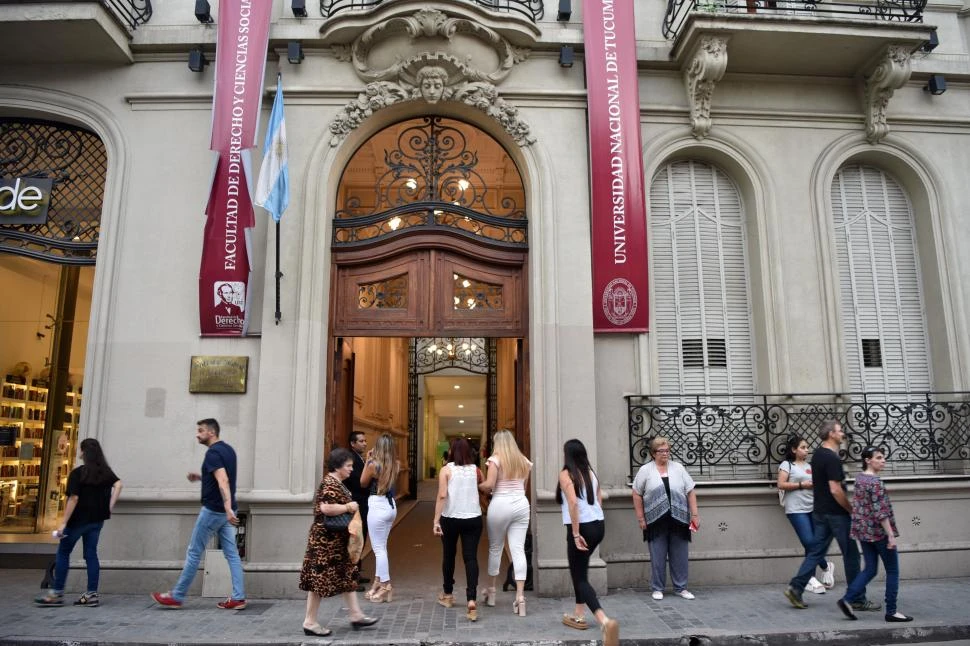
point(828, 576)
point(686, 594)
point(657, 595)
point(814, 586)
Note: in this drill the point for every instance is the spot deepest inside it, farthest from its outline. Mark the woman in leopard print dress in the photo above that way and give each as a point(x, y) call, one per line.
point(327, 569)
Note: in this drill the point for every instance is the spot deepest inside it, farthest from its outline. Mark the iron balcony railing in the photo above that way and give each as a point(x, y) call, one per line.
point(743, 437)
point(900, 10)
point(130, 12)
point(530, 9)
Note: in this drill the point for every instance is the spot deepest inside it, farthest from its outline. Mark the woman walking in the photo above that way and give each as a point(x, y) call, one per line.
point(579, 494)
point(457, 514)
point(379, 475)
point(92, 491)
point(666, 507)
point(795, 480)
point(508, 514)
point(327, 568)
point(874, 526)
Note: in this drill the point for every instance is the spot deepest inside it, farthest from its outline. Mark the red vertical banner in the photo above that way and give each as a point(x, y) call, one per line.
point(619, 229)
point(224, 276)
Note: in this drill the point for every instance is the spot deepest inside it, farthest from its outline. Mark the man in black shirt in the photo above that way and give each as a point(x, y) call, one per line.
point(831, 515)
point(358, 447)
point(217, 516)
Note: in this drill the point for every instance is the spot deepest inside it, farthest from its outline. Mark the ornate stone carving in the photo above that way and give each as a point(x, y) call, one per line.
point(435, 25)
point(706, 68)
point(430, 87)
point(428, 75)
point(890, 74)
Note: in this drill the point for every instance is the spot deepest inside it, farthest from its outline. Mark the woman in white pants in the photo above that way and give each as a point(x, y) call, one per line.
point(508, 514)
point(379, 474)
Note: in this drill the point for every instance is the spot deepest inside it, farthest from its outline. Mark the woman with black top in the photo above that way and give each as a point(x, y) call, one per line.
point(92, 491)
point(666, 508)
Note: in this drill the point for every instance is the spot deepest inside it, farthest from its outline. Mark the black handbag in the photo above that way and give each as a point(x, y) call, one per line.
point(338, 523)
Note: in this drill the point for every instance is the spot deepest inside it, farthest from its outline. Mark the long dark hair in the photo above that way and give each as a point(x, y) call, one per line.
point(95, 470)
point(576, 463)
point(793, 443)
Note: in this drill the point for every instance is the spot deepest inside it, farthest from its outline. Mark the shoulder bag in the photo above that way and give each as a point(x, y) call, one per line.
point(338, 523)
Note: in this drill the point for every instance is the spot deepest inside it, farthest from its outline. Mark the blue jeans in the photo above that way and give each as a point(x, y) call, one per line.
point(827, 527)
point(890, 560)
point(89, 533)
point(805, 530)
point(208, 524)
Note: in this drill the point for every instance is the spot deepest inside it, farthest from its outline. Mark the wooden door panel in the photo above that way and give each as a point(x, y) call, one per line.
point(477, 299)
point(388, 298)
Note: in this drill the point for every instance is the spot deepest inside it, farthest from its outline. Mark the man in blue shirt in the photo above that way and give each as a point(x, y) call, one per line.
point(218, 515)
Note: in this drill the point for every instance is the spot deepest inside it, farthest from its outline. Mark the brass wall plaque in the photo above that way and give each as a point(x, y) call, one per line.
point(214, 374)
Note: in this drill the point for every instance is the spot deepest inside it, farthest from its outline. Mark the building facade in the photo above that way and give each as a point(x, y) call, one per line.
point(806, 189)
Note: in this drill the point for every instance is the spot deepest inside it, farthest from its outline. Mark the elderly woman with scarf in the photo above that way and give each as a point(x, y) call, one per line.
point(666, 508)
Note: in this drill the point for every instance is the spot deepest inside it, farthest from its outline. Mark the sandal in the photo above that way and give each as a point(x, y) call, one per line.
point(88, 599)
point(446, 600)
point(578, 622)
point(471, 611)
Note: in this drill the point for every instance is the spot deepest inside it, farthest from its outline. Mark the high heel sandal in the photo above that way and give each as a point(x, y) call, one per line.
point(488, 594)
point(472, 611)
point(446, 600)
point(384, 594)
point(363, 622)
point(518, 607)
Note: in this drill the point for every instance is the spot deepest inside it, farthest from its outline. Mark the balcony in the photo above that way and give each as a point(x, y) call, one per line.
point(529, 9)
point(868, 40)
point(83, 31)
point(742, 438)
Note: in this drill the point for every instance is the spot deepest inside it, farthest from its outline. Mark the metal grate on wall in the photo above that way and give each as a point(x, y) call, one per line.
point(76, 161)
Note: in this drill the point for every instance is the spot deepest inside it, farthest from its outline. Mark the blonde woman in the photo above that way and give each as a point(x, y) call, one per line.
point(379, 475)
point(508, 513)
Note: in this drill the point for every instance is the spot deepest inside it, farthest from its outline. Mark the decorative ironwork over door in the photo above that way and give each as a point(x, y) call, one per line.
point(427, 355)
point(76, 161)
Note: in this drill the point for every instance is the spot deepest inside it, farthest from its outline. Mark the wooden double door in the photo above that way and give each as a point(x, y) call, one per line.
point(447, 289)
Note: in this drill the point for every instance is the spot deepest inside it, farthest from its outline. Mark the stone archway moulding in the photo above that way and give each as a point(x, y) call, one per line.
point(429, 70)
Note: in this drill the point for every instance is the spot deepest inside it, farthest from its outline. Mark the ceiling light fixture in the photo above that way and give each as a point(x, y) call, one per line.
point(461, 405)
point(457, 387)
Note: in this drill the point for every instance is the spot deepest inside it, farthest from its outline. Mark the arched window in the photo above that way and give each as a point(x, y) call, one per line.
point(702, 314)
point(879, 283)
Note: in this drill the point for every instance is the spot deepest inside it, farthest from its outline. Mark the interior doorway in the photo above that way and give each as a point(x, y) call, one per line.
point(424, 392)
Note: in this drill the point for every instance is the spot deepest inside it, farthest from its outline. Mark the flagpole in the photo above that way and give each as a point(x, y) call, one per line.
point(279, 274)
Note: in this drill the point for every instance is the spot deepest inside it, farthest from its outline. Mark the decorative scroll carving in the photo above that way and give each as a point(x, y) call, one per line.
point(429, 24)
point(479, 95)
point(890, 74)
point(706, 68)
point(430, 75)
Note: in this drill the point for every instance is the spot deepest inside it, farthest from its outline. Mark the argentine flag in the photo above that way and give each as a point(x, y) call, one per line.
point(273, 187)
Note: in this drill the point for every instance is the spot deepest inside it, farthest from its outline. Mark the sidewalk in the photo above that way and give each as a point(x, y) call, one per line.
point(724, 616)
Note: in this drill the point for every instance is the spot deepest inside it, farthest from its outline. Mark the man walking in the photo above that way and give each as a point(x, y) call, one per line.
point(358, 447)
point(218, 515)
point(831, 514)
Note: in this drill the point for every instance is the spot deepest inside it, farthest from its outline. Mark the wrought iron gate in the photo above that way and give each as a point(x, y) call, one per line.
point(476, 355)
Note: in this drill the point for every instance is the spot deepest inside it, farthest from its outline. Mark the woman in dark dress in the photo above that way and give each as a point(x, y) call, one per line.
point(327, 568)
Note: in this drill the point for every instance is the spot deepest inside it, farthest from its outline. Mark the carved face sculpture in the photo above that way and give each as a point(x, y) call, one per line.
point(431, 82)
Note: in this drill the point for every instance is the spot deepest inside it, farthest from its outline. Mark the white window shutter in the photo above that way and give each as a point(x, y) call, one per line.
point(879, 282)
point(699, 268)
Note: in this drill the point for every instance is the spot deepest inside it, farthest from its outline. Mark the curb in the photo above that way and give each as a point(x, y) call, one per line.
point(902, 635)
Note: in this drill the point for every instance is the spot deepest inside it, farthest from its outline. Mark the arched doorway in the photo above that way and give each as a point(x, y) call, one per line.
point(430, 241)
